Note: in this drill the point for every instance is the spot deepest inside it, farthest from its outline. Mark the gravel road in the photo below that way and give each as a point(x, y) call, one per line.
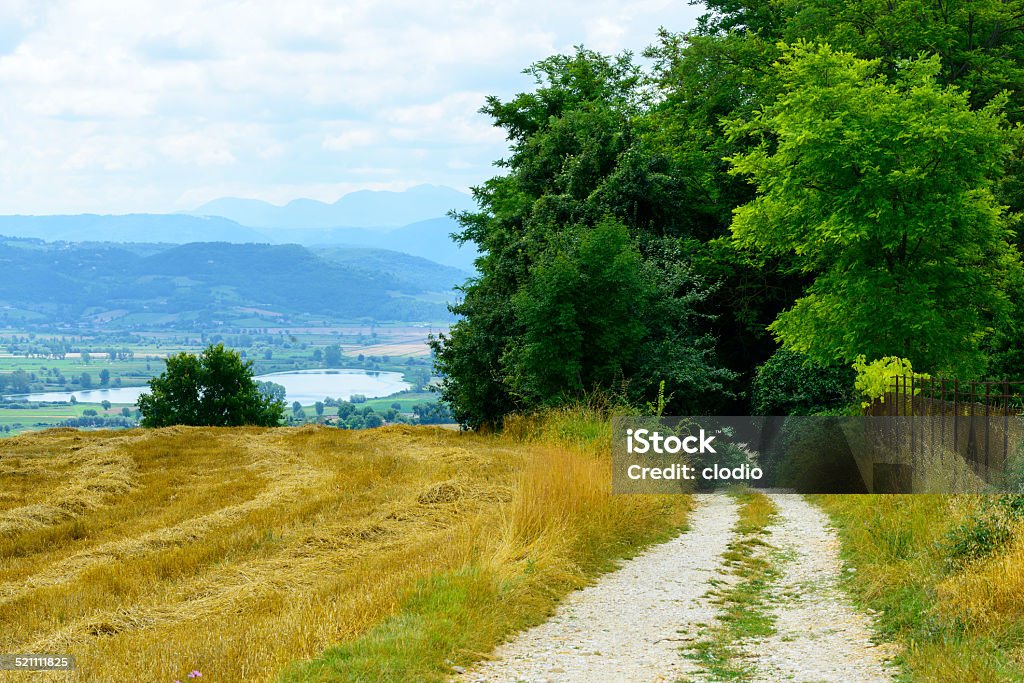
point(819, 637)
point(630, 625)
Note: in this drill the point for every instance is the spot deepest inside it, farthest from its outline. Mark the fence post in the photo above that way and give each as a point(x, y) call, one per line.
point(894, 409)
point(1006, 424)
point(913, 443)
point(942, 433)
point(988, 428)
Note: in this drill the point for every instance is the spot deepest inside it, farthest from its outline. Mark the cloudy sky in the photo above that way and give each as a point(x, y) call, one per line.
point(113, 106)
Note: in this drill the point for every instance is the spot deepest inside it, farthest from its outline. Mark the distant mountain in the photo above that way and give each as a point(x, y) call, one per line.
point(200, 283)
point(362, 209)
point(136, 227)
point(428, 239)
point(420, 273)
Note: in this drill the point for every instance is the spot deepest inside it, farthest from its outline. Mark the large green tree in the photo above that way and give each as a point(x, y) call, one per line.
point(881, 189)
point(577, 157)
point(723, 70)
point(594, 314)
point(213, 389)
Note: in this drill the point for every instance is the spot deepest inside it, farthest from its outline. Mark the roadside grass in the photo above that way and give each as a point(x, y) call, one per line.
point(309, 553)
point(561, 528)
point(957, 622)
point(743, 602)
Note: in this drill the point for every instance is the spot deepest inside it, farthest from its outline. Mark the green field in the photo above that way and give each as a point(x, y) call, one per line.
point(47, 362)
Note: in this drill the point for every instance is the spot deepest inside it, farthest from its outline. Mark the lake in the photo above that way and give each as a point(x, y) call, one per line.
point(304, 386)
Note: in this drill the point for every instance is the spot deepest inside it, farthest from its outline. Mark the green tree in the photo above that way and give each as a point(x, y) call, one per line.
point(590, 317)
point(332, 356)
point(578, 163)
point(105, 404)
point(19, 382)
point(213, 389)
point(319, 407)
point(881, 191)
point(104, 377)
point(272, 390)
point(85, 380)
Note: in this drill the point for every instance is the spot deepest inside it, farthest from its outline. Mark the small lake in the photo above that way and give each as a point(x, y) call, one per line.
point(304, 386)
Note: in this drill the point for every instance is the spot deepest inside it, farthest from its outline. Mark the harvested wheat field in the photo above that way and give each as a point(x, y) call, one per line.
point(246, 553)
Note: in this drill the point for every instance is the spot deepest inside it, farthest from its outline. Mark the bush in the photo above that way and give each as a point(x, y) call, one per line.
point(791, 384)
point(214, 389)
point(874, 379)
point(986, 531)
point(813, 454)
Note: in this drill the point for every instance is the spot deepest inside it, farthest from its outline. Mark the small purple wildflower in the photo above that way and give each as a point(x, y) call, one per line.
point(195, 674)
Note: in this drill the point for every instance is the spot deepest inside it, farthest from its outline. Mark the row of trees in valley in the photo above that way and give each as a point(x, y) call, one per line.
point(789, 186)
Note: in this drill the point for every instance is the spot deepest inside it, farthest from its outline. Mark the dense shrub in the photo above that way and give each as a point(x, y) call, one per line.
point(986, 531)
point(791, 384)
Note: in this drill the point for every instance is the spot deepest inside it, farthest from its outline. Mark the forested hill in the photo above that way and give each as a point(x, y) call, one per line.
point(428, 238)
point(129, 285)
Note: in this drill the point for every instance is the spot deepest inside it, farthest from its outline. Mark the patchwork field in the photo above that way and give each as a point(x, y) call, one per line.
point(300, 554)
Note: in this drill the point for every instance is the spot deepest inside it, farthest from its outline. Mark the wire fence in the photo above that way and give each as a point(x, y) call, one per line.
point(975, 420)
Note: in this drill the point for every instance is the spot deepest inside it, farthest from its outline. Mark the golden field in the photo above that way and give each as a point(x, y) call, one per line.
point(255, 554)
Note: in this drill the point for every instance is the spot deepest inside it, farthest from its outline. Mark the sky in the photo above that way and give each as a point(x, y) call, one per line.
point(155, 106)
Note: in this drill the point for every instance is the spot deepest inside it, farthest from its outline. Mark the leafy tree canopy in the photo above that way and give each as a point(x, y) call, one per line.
point(574, 291)
point(880, 188)
point(877, 185)
point(213, 389)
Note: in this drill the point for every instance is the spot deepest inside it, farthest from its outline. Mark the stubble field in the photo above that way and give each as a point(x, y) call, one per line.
point(248, 554)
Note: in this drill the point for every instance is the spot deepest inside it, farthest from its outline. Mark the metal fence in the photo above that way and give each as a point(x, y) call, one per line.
point(968, 418)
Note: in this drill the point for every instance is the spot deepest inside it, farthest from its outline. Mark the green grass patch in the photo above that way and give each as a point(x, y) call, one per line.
point(743, 606)
point(441, 621)
point(901, 549)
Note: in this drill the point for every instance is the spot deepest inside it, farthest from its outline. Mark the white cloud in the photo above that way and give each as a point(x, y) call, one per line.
point(348, 139)
point(159, 106)
point(197, 149)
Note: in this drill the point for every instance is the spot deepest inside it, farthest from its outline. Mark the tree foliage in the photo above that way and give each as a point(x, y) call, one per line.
point(753, 187)
point(882, 191)
point(213, 389)
point(573, 294)
point(792, 384)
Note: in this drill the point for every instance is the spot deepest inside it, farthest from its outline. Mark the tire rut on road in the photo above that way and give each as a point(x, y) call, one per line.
point(819, 636)
point(629, 625)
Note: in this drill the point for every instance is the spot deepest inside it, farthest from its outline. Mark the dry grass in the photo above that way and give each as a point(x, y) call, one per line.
point(240, 551)
point(957, 622)
point(989, 595)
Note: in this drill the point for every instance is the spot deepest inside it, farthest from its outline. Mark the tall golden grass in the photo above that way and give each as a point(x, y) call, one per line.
point(958, 622)
point(239, 552)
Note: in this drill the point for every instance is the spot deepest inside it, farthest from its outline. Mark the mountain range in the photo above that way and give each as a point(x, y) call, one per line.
point(362, 209)
point(413, 222)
